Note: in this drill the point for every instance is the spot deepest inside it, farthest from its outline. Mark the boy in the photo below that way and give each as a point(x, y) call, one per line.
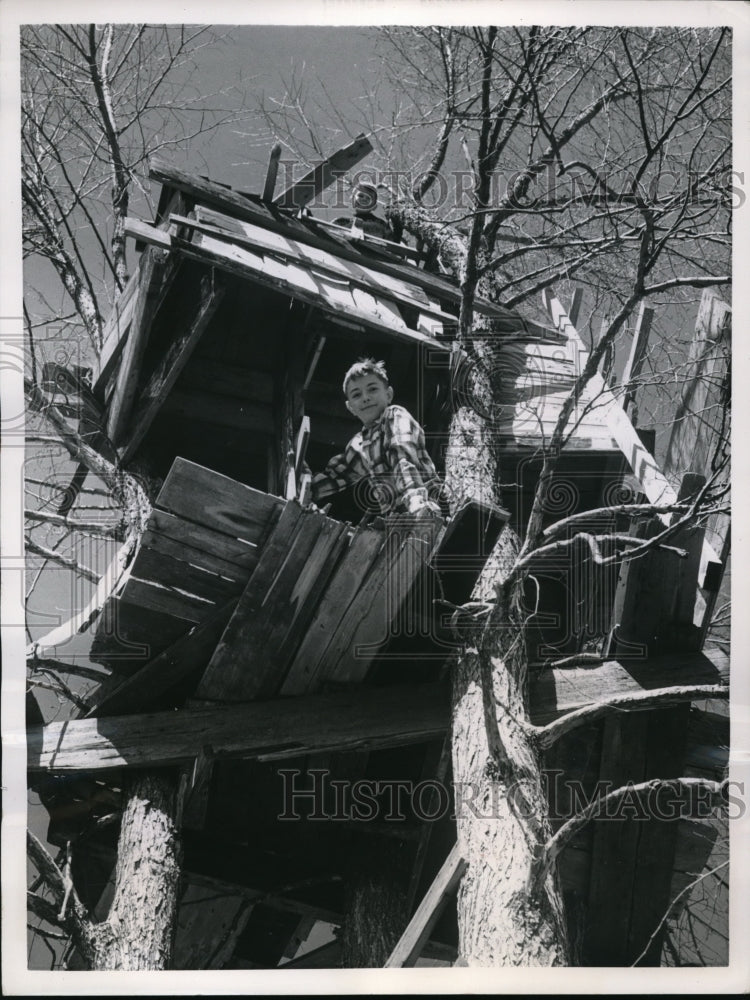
point(388, 456)
point(364, 201)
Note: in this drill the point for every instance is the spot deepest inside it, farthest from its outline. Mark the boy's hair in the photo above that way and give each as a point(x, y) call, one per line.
point(366, 366)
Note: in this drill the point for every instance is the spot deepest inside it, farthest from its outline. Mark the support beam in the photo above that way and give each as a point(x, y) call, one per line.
point(366, 718)
point(151, 269)
point(408, 949)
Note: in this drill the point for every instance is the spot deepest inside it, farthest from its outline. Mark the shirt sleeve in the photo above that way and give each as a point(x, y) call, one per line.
point(343, 470)
point(404, 446)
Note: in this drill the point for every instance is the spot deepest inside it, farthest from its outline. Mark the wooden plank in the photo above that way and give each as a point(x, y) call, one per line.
point(410, 944)
point(307, 668)
point(556, 692)
point(227, 379)
point(271, 730)
point(162, 570)
point(218, 502)
point(259, 641)
point(167, 600)
point(436, 763)
point(168, 669)
point(127, 637)
point(374, 614)
point(151, 268)
point(271, 172)
point(575, 305)
point(218, 682)
point(243, 208)
point(666, 738)
point(345, 232)
point(303, 439)
point(303, 191)
point(203, 557)
point(171, 528)
point(615, 847)
point(115, 331)
point(465, 546)
point(152, 395)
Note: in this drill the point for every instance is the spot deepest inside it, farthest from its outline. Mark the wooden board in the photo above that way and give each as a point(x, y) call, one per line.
point(373, 615)
point(181, 577)
point(218, 410)
point(272, 730)
point(654, 483)
point(152, 269)
point(127, 637)
point(556, 692)
point(192, 547)
point(227, 379)
point(308, 666)
point(358, 275)
point(275, 607)
point(409, 946)
point(218, 502)
point(115, 331)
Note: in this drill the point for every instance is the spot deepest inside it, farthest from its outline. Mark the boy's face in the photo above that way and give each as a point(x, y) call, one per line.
point(367, 398)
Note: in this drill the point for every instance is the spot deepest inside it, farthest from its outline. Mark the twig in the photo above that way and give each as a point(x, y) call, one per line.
point(550, 851)
point(682, 892)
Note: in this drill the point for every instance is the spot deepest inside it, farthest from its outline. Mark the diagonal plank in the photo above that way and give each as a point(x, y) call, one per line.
point(410, 944)
point(152, 268)
point(303, 191)
point(158, 385)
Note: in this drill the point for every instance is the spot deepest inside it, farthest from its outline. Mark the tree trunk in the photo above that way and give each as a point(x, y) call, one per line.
point(376, 909)
point(501, 806)
point(139, 930)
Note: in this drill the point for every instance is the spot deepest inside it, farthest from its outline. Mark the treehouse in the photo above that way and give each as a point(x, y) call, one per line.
point(276, 654)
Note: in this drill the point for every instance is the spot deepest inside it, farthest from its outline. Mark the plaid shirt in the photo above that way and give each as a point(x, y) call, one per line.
point(390, 460)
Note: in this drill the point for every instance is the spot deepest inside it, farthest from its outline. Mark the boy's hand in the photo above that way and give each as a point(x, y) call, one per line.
point(428, 512)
